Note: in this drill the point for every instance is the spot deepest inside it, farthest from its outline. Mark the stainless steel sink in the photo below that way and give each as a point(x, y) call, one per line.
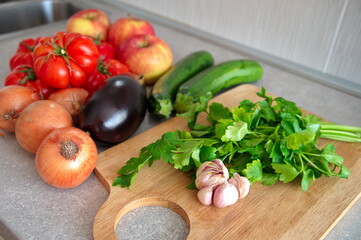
point(20, 15)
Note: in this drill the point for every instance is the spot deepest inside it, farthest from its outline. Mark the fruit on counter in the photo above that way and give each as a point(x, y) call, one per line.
point(164, 91)
point(13, 100)
point(24, 75)
point(72, 99)
point(146, 55)
point(37, 120)
point(216, 79)
point(114, 112)
point(21, 75)
point(24, 53)
point(66, 157)
point(106, 49)
point(105, 69)
point(90, 22)
point(65, 59)
point(125, 28)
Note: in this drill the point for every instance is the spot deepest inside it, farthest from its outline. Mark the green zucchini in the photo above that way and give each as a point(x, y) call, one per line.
point(216, 79)
point(163, 93)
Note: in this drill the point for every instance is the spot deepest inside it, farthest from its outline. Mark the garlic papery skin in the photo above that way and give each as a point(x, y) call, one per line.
point(216, 166)
point(225, 195)
point(211, 173)
point(241, 183)
point(205, 195)
point(207, 179)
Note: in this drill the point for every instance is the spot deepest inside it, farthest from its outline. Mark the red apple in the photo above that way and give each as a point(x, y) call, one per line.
point(146, 55)
point(91, 22)
point(124, 28)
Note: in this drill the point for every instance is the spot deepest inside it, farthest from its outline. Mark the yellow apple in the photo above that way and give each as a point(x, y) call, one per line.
point(90, 22)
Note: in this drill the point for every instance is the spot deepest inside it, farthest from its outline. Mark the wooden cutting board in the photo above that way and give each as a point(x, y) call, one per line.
point(282, 211)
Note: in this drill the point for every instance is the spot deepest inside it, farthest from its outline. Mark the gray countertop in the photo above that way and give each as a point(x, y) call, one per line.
point(31, 209)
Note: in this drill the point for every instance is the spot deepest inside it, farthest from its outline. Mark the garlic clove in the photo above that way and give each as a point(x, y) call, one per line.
point(209, 178)
point(211, 173)
point(241, 183)
point(222, 169)
point(205, 195)
point(205, 166)
point(216, 166)
point(225, 195)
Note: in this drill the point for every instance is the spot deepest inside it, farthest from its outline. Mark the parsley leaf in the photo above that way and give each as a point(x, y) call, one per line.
point(235, 132)
point(287, 172)
point(253, 171)
point(296, 140)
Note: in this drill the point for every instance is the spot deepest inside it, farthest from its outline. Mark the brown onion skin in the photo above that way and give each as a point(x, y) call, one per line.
point(58, 171)
point(14, 99)
point(37, 120)
point(70, 98)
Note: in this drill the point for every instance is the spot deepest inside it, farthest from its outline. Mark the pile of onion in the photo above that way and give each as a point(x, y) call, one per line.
point(66, 157)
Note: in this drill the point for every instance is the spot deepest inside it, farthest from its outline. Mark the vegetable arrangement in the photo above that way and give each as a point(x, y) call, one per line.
point(266, 141)
point(68, 90)
point(53, 80)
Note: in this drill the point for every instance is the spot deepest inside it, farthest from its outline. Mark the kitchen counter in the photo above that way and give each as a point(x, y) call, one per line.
point(31, 209)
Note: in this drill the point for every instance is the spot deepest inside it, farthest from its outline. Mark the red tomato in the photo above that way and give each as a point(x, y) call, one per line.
point(64, 60)
point(24, 75)
point(21, 75)
point(106, 49)
point(105, 69)
point(24, 53)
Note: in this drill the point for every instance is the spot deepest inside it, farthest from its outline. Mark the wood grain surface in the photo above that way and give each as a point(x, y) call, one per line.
point(281, 211)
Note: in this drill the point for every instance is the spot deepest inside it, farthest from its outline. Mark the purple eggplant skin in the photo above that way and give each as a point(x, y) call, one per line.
point(115, 111)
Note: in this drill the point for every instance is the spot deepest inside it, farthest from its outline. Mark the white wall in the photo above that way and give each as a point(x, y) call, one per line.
point(324, 35)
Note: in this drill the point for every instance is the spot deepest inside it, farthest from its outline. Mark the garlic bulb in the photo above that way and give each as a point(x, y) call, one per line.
point(225, 195)
point(211, 173)
point(212, 180)
point(242, 184)
point(205, 195)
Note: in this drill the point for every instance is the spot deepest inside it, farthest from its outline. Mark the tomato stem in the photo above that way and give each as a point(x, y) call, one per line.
point(68, 150)
point(31, 49)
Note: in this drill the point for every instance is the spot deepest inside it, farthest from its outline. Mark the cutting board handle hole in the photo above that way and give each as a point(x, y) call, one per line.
point(156, 209)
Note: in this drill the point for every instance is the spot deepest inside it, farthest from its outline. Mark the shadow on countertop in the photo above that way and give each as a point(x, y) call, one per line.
point(5, 233)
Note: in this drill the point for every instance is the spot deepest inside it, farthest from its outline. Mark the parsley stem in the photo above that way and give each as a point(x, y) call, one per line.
point(334, 126)
point(341, 135)
point(312, 163)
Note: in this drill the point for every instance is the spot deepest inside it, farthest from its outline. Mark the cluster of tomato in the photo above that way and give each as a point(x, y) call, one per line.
point(64, 60)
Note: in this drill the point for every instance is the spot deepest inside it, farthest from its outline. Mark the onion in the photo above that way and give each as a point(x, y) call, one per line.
point(66, 157)
point(13, 99)
point(37, 120)
point(70, 98)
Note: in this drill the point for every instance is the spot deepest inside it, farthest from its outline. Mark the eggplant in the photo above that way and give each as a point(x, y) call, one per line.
point(114, 113)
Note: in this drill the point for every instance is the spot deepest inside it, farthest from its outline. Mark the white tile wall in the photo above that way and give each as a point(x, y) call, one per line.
point(324, 35)
point(345, 60)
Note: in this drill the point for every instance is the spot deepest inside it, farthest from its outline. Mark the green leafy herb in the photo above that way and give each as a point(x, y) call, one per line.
point(266, 141)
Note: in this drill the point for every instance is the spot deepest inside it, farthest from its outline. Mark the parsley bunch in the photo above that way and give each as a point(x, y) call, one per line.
point(266, 141)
